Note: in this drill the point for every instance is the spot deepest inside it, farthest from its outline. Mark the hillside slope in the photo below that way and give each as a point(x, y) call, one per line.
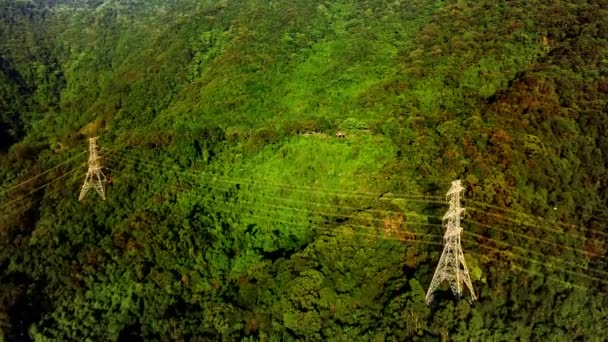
point(234, 211)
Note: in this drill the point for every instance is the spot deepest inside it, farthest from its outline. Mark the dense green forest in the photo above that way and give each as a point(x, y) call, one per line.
point(234, 212)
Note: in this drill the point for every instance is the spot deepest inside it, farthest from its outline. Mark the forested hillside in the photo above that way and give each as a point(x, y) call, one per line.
point(233, 210)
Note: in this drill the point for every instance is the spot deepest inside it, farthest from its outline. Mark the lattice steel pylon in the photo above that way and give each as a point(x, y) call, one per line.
point(452, 266)
point(95, 177)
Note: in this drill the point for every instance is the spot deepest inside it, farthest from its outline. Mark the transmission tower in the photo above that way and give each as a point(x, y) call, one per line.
point(95, 177)
point(452, 266)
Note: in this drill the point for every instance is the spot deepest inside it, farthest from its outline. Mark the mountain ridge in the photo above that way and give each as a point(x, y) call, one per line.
point(225, 221)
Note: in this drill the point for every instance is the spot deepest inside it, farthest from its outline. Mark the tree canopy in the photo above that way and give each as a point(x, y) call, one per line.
point(234, 212)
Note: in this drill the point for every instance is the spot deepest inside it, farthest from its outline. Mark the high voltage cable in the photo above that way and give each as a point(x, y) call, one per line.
point(356, 209)
point(533, 252)
point(491, 227)
point(317, 212)
point(337, 206)
point(525, 236)
point(536, 226)
point(15, 211)
point(538, 218)
point(484, 246)
point(535, 261)
point(429, 201)
point(329, 214)
point(274, 184)
point(580, 287)
point(337, 215)
point(175, 166)
point(549, 277)
point(575, 235)
point(472, 208)
point(466, 220)
point(40, 174)
point(7, 204)
point(432, 243)
point(332, 229)
point(193, 174)
point(601, 280)
point(25, 207)
point(470, 221)
point(349, 224)
point(333, 191)
point(375, 195)
point(323, 190)
point(480, 255)
point(233, 205)
point(561, 233)
point(542, 275)
point(360, 226)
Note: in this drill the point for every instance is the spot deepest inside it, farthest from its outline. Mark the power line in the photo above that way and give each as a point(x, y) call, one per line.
point(314, 212)
point(472, 252)
point(465, 220)
point(403, 239)
point(417, 181)
point(266, 218)
point(351, 216)
point(537, 226)
point(474, 222)
point(527, 237)
point(542, 275)
point(603, 281)
point(429, 201)
point(272, 206)
point(25, 207)
point(192, 174)
point(41, 174)
point(483, 246)
point(8, 204)
point(15, 211)
point(349, 225)
point(394, 212)
point(418, 223)
point(339, 206)
point(414, 223)
point(533, 252)
point(278, 185)
point(538, 218)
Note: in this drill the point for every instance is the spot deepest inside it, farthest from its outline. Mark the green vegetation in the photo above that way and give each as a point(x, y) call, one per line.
point(234, 213)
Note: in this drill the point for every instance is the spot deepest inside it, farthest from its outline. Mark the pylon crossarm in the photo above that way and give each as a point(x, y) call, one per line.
point(453, 213)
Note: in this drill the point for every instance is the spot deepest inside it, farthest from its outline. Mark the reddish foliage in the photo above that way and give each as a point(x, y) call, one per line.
point(252, 325)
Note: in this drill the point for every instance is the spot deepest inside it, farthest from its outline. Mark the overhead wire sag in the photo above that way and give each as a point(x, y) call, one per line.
point(8, 204)
point(470, 221)
point(41, 174)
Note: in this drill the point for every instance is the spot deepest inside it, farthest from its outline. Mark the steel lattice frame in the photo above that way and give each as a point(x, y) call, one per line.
point(452, 266)
point(95, 177)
